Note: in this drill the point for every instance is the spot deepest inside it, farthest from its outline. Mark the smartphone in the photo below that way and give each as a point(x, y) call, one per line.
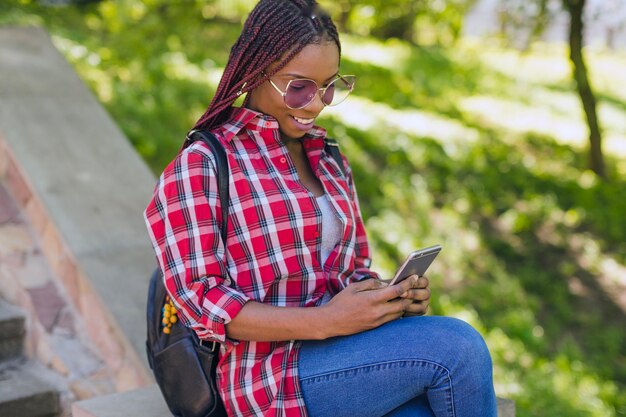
point(416, 263)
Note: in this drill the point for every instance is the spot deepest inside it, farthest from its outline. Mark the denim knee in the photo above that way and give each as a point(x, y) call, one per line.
point(467, 345)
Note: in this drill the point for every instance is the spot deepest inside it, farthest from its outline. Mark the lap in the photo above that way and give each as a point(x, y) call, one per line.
point(428, 338)
point(383, 369)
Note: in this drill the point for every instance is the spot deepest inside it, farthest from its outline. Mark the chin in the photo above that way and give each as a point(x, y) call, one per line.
point(293, 135)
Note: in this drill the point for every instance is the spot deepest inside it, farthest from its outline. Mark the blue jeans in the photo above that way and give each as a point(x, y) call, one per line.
point(416, 366)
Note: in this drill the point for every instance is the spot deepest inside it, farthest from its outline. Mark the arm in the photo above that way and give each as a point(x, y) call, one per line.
point(185, 234)
point(361, 306)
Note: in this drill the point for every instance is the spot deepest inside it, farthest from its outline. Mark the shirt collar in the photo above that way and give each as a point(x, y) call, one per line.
point(244, 118)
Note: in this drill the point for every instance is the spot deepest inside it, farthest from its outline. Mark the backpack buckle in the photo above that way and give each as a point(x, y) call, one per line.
point(209, 345)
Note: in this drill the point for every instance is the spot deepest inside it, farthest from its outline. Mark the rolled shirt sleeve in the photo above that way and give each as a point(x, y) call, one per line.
point(184, 220)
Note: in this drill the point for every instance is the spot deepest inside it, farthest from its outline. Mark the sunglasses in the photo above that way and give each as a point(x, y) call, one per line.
point(301, 91)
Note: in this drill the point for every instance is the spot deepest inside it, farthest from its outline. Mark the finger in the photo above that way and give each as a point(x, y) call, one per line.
point(423, 282)
point(417, 294)
point(413, 284)
point(406, 306)
point(412, 281)
point(398, 304)
point(390, 317)
point(395, 309)
point(419, 282)
point(394, 291)
point(417, 309)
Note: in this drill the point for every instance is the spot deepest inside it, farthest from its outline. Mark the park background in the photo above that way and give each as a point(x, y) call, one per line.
point(477, 143)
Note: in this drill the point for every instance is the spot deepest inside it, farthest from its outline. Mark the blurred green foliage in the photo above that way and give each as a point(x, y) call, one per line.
point(415, 21)
point(534, 244)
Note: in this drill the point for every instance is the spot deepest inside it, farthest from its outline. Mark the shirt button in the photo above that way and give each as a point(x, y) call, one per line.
point(283, 160)
point(268, 124)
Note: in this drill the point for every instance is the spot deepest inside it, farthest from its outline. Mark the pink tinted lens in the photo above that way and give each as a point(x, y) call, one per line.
point(329, 94)
point(300, 93)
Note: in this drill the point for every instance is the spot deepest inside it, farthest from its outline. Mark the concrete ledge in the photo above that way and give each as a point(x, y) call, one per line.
point(148, 402)
point(506, 408)
point(83, 187)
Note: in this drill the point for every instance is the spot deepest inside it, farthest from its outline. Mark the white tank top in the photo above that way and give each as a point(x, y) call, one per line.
point(331, 232)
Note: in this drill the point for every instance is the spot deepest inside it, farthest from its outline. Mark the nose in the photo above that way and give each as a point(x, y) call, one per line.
point(316, 105)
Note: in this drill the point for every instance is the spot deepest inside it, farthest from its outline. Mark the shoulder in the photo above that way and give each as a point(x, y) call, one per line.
point(200, 147)
point(197, 159)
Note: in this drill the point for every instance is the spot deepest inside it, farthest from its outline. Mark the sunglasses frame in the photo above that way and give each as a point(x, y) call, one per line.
point(321, 90)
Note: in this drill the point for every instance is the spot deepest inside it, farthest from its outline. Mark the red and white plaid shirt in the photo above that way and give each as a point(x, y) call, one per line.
point(272, 252)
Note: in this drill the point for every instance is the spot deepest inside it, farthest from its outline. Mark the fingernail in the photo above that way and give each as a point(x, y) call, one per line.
point(405, 294)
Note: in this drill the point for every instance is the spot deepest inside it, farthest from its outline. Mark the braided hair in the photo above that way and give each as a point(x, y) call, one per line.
point(275, 31)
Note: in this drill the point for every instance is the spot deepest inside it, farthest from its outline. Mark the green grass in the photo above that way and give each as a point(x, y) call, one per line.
point(477, 147)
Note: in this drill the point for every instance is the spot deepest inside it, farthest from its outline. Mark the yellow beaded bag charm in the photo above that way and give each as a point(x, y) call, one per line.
point(169, 315)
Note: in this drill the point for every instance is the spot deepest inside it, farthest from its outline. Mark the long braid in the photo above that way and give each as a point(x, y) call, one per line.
point(275, 31)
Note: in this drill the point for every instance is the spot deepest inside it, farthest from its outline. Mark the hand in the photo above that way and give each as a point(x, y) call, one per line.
point(365, 305)
point(419, 293)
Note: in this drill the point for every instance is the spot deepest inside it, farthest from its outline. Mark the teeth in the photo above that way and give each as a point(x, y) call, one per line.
point(303, 121)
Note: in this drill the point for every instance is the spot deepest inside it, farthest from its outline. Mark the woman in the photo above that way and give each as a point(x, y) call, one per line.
point(306, 328)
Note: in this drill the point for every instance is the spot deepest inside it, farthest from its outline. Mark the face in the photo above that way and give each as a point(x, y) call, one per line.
point(319, 63)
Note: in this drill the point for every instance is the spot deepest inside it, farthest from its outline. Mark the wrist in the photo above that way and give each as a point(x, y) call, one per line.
point(322, 325)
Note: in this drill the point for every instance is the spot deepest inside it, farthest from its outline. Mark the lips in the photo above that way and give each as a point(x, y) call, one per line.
point(302, 124)
point(304, 121)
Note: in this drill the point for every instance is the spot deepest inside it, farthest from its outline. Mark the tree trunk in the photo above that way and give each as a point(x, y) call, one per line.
point(575, 9)
point(342, 21)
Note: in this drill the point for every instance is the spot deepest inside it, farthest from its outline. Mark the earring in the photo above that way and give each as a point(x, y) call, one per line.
point(240, 92)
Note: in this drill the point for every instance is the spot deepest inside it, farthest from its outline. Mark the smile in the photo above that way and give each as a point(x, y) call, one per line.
point(303, 121)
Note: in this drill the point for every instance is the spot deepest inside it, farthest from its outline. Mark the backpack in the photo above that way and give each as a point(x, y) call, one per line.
point(184, 366)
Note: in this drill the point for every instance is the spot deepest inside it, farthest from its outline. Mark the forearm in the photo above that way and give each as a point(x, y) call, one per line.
point(263, 322)
point(358, 307)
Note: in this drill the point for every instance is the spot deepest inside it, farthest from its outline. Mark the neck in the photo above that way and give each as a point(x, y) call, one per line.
point(290, 141)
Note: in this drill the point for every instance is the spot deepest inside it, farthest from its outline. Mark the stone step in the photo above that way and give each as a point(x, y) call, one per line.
point(12, 331)
point(148, 402)
point(142, 402)
point(25, 390)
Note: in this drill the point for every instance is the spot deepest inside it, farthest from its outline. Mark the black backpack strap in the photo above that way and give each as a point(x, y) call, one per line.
point(332, 148)
point(221, 161)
